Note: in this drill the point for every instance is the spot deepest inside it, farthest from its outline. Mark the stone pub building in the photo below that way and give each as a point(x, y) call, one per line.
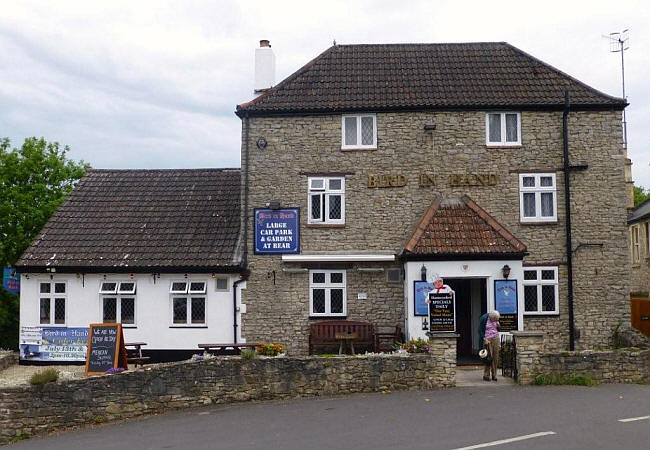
point(477, 162)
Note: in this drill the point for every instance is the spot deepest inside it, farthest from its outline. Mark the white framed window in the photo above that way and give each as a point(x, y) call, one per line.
point(52, 303)
point(537, 197)
point(359, 131)
point(188, 303)
point(126, 287)
point(221, 284)
point(327, 293)
point(541, 290)
point(188, 311)
point(636, 245)
point(503, 129)
point(118, 309)
point(108, 287)
point(326, 201)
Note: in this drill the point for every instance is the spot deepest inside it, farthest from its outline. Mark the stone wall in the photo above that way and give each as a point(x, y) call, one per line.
point(54, 406)
point(7, 358)
point(380, 220)
point(612, 366)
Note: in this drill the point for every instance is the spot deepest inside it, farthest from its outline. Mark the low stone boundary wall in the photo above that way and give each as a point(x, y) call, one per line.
point(7, 358)
point(610, 366)
point(29, 410)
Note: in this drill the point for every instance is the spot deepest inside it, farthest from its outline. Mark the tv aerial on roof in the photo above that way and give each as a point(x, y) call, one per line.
point(619, 42)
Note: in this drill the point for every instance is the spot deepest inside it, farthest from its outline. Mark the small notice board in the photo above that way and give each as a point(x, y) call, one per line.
point(442, 312)
point(106, 348)
point(505, 301)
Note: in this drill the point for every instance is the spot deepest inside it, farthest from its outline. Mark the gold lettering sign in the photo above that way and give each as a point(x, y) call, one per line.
point(473, 179)
point(429, 179)
point(386, 181)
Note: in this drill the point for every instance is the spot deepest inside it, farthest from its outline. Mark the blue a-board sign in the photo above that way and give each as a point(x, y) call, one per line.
point(11, 280)
point(277, 231)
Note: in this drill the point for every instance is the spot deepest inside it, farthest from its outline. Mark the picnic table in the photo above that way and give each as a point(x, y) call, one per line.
point(223, 347)
point(134, 353)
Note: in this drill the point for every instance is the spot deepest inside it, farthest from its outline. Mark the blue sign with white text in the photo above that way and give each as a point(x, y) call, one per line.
point(11, 280)
point(277, 231)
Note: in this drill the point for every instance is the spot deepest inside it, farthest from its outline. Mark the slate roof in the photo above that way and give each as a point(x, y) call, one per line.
point(460, 227)
point(385, 77)
point(639, 213)
point(130, 220)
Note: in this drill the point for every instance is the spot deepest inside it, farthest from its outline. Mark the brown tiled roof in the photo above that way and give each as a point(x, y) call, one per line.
point(122, 220)
point(461, 227)
point(425, 76)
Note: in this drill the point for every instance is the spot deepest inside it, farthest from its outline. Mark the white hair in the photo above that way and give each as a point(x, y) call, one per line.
point(494, 315)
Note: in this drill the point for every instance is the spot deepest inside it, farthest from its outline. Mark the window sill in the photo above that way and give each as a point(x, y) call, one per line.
point(327, 317)
point(54, 325)
point(358, 149)
point(502, 146)
point(540, 223)
point(325, 225)
point(532, 315)
point(188, 326)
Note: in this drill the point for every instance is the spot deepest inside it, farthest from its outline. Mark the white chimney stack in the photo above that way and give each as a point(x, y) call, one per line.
point(264, 67)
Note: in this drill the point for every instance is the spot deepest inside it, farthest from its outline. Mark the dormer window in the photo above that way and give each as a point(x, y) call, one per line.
point(359, 131)
point(503, 129)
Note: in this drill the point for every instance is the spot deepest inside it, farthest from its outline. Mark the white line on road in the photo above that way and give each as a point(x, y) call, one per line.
point(507, 441)
point(634, 419)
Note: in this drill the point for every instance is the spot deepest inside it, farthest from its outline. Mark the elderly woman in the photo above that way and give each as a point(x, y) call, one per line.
point(489, 334)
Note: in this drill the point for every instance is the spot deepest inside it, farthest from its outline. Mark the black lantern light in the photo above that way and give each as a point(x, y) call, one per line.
point(425, 324)
point(423, 273)
point(506, 271)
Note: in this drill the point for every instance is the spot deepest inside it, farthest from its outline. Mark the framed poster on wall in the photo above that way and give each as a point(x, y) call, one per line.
point(421, 291)
point(505, 301)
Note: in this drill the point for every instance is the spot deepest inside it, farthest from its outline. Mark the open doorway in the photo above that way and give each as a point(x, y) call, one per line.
point(471, 303)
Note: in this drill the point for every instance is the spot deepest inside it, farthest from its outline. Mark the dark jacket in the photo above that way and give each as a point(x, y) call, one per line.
point(481, 329)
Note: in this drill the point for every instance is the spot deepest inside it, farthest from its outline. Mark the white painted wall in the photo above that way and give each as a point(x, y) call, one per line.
point(152, 305)
point(491, 270)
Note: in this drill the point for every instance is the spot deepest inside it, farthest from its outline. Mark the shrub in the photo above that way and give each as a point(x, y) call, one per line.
point(270, 349)
point(416, 346)
point(45, 376)
point(248, 353)
point(555, 379)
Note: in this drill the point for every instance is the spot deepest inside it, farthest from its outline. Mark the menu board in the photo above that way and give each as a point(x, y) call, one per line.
point(442, 312)
point(505, 301)
point(106, 348)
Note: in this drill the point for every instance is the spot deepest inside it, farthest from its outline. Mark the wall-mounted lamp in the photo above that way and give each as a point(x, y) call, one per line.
point(506, 271)
point(274, 204)
point(261, 143)
point(423, 273)
point(425, 324)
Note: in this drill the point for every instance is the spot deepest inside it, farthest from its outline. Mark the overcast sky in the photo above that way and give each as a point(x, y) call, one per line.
point(137, 84)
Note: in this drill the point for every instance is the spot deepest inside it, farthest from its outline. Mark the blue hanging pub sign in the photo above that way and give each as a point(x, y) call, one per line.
point(277, 231)
point(11, 280)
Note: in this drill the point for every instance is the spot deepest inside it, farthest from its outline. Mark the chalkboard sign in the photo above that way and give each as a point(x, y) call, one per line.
point(105, 348)
point(442, 312)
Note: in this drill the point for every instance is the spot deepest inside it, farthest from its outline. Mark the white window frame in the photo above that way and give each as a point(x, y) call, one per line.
point(131, 291)
point(502, 142)
point(108, 291)
point(539, 283)
point(118, 308)
point(358, 145)
point(52, 296)
point(182, 291)
point(188, 308)
point(203, 290)
point(538, 189)
point(636, 244)
point(328, 286)
point(326, 192)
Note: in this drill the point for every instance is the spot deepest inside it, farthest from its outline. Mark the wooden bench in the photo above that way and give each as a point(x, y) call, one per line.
point(386, 336)
point(333, 332)
point(222, 348)
point(134, 353)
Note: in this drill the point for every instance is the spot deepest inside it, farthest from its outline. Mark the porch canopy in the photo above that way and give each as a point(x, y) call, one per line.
point(458, 228)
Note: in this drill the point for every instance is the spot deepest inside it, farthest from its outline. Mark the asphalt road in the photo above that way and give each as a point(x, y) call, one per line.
point(554, 417)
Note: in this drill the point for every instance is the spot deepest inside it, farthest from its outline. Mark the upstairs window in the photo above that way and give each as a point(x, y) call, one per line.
point(537, 197)
point(359, 131)
point(326, 201)
point(502, 129)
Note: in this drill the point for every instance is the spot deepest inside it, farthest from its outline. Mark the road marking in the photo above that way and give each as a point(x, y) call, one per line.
point(507, 441)
point(634, 419)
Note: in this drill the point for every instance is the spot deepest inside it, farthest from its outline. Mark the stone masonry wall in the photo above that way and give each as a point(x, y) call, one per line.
point(612, 366)
point(381, 220)
point(7, 358)
point(54, 406)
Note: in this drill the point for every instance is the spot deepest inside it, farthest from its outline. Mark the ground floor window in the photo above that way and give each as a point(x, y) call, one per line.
point(52, 303)
point(118, 309)
point(189, 311)
point(327, 293)
point(540, 290)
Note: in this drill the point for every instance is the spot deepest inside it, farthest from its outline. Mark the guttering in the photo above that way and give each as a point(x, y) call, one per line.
point(338, 258)
point(567, 211)
point(463, 256)
point(128, 269)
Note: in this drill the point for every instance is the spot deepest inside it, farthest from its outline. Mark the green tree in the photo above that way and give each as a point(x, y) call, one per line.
point(640, 195)
point(34, 180)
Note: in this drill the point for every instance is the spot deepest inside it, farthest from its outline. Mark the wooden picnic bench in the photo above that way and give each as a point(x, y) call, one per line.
point(331, 332)
point(134, 353)
point(236, 347)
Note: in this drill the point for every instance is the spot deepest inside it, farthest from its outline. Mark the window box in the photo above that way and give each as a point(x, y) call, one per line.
point(326, 201)
point(537, 197)
point(541, 291)
point(327, 293)
point(503, 129)
point(359, 132)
